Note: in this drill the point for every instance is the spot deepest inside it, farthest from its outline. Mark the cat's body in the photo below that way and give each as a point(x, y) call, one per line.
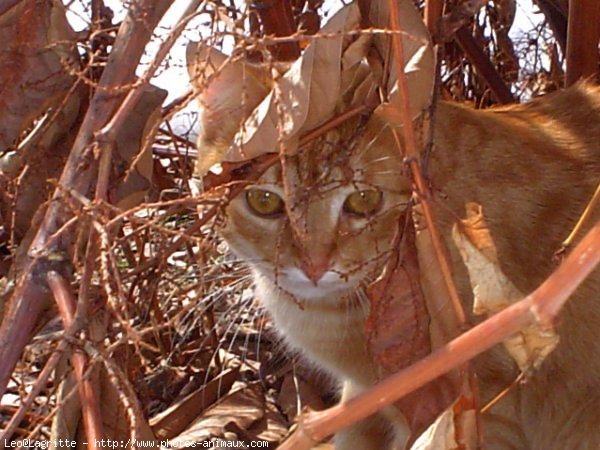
point(314, 244)
point(533, 168)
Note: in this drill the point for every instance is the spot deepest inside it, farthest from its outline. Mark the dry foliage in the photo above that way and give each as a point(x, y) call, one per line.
point(165, 338)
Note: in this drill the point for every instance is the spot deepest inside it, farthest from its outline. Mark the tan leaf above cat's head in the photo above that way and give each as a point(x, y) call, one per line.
point(228, 89)
point(246, 115)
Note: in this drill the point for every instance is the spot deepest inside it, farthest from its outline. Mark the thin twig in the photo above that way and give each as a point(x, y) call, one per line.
point(243, 174)
point(585, 217)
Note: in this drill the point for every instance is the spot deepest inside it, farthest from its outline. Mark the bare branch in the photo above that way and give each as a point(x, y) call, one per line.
point(88, 395)
point(31, 296)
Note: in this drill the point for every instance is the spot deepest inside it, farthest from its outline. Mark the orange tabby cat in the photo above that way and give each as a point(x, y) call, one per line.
point(532, 167)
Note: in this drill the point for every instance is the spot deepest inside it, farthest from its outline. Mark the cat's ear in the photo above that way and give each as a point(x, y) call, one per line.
point(228, 89)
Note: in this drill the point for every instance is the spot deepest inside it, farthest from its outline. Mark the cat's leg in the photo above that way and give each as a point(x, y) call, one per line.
point(374, 433)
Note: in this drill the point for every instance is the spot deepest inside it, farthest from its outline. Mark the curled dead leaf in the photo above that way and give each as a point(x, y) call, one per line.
point(177, 417)
point(454, 429)
point(410, 315)
point(244, 414)
point(212, 73)
point(397, 328)
point(441, 435)
point(493, 291)
point(129, 191)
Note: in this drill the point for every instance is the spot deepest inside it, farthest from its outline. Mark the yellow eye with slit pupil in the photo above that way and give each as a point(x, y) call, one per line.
point(363, 203)
point(264, 203)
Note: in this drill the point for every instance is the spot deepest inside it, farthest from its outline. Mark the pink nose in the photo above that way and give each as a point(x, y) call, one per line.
point(314, 268)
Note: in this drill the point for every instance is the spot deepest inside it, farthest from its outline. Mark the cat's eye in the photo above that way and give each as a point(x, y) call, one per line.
point(363, 203)
point(264, 203)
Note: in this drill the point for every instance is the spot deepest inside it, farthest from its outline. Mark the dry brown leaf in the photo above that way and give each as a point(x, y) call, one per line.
point(66, 420)
point(304, 97)
point(129, 142)
point(272, 429)
point(493, 291)
point(419, 59)
point(440, 435)
point(410, 316)
point(397, 328)
point(39, 158)
point(444, 325)
point(38, 48)
point(212, 72)
point(115, 420)
point(177, 417)
point(332, 69)
point(466, 423)
point(449, 430)
point(240, 410)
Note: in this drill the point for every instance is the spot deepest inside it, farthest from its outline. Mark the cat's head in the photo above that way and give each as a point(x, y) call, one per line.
point(330, 227)
point(325, 223)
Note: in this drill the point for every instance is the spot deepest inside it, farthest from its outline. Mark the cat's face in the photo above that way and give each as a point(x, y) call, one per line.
point(330, 226)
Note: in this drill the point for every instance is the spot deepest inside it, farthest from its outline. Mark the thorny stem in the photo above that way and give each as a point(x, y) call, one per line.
point(412, 157)
point(469, 387)
point(104, 166)
point(125, 394)
point(539, 308)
